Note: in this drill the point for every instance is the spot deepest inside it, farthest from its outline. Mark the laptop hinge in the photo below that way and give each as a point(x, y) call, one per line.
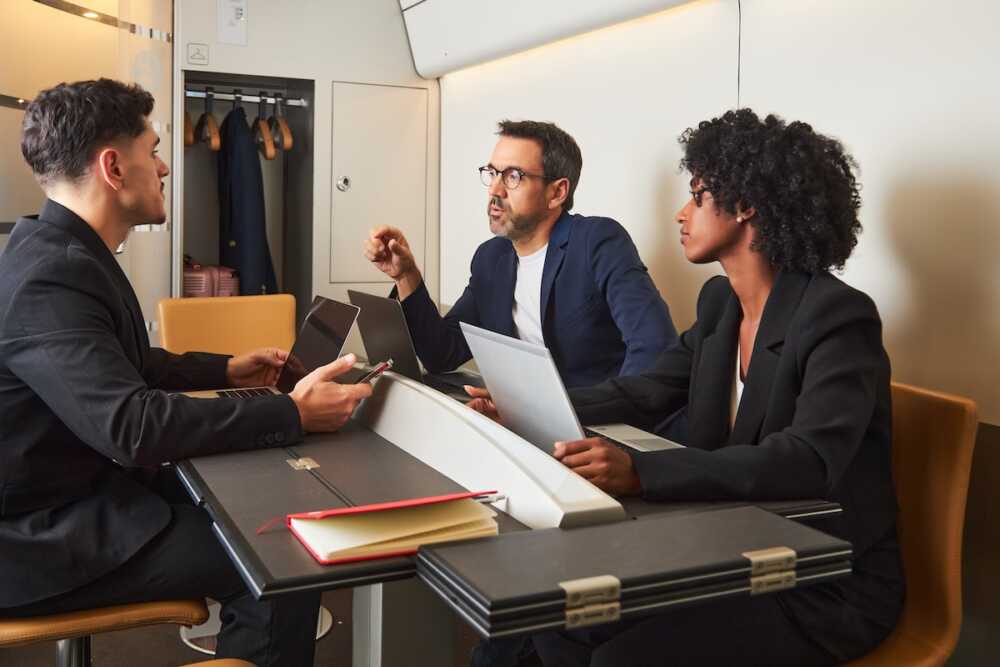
point(775, 559)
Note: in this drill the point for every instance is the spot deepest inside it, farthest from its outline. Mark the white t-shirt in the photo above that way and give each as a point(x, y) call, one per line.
point(527, 309)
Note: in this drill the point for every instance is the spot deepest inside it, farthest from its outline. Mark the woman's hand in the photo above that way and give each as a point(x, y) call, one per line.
point(601, 463)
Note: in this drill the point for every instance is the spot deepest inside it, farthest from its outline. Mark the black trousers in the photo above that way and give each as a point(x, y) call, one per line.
point(745, 631)
point(186, 561)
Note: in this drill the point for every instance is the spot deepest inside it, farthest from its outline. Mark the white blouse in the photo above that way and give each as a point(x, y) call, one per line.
point(734, 404)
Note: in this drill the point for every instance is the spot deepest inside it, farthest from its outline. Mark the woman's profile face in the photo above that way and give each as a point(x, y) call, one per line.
point(708, 232)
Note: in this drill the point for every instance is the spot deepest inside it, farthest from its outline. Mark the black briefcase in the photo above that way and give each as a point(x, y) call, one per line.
point(564, 579)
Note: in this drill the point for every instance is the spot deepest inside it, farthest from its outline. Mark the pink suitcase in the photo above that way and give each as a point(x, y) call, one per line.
point(202, 280)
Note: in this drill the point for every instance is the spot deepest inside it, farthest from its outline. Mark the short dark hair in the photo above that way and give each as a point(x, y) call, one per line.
point(561, 156)
point(64, 125)
point(800, 182)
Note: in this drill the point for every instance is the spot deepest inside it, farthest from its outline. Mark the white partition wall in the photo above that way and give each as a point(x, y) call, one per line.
point(479, 454)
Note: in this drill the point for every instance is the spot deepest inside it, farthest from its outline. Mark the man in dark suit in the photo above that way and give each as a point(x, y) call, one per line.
point(86, 517)
point(572, 283)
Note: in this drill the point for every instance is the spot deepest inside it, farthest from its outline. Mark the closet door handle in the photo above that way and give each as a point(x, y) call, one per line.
point(344, 183)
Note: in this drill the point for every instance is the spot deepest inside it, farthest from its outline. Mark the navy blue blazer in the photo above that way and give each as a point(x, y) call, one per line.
point(242, 232)
point(601, 313)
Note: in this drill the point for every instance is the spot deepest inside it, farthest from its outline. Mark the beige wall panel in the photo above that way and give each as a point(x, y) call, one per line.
point(19, 193)
point(380, 160)
point(28, 69)
point(907, 85)
point(75, 48)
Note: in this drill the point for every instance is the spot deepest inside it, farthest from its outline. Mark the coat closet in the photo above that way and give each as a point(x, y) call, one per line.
point(277, 113)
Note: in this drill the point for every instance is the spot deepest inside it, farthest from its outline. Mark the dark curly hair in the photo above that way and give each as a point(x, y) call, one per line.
point(561, 157)
point(801, 184)
point(65, 124)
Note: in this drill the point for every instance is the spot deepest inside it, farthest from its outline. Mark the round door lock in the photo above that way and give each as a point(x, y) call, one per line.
point(344, 183)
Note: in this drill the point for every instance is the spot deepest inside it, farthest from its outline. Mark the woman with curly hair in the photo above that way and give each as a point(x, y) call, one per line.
point(783, 387)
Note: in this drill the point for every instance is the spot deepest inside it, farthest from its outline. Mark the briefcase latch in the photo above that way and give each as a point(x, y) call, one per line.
point(770, 583)
point(593, 614)
point(775, 559)
point(592, 600)
point(305, 463)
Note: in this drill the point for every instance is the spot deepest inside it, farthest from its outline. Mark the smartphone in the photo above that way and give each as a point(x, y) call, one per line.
point(375, 372)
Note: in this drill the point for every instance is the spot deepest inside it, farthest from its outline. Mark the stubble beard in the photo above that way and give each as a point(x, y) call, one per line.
point(510, 226)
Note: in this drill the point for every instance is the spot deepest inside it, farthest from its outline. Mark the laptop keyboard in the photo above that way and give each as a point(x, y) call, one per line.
point(245, 393)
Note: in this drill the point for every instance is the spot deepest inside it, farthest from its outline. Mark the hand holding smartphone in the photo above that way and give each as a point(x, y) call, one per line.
point(375, 372)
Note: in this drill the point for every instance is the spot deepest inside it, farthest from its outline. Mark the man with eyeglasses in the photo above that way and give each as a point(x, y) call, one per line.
point(570, 282)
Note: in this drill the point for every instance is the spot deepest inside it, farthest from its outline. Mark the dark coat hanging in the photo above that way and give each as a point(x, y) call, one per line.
point(242, 234)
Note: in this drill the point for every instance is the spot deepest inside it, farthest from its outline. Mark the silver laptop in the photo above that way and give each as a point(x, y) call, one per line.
point(525, 385)
point(382, 324)
point(319, 342)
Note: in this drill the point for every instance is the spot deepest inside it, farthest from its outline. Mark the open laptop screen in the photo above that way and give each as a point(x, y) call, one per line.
point(319, 342)
point(525, 385)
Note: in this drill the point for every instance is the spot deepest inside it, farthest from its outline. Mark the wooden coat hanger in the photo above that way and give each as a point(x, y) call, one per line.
point(207, 129)
point(188, 130)
point(280, 131)
point(262, 131)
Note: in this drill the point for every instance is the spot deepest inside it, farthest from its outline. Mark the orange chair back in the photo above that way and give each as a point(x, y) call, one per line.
point(227, 324)
point(933, 437)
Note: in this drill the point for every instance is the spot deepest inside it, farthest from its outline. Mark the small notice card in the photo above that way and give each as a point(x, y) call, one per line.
point(232, 22)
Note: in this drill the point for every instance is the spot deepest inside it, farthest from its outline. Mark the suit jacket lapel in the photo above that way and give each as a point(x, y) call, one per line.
point(712, 383)
point(779, 311)
point(553, 262)
point(506, 277)
point(56, 214)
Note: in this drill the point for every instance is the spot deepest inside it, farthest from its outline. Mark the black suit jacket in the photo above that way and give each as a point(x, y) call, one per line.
point(814, 422)
point(83, 410)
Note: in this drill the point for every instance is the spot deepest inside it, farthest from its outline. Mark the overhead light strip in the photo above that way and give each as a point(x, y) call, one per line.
point(108, 19)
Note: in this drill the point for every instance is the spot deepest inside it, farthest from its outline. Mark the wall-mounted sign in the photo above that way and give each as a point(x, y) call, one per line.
point(197, 54)
point(232, 22)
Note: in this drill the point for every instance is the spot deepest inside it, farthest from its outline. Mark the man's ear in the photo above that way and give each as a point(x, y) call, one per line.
point(560, 191)
point(109, 168)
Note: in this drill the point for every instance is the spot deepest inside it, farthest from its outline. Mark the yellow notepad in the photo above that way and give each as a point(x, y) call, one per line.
point(391, 529)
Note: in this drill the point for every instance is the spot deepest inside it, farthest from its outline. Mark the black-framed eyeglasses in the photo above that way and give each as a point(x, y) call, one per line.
point(696, 195)
point(511, 176)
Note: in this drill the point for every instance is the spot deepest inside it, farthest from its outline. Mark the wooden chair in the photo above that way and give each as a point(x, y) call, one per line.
point(227, 324)
point(72, 631)
point(933, 437)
